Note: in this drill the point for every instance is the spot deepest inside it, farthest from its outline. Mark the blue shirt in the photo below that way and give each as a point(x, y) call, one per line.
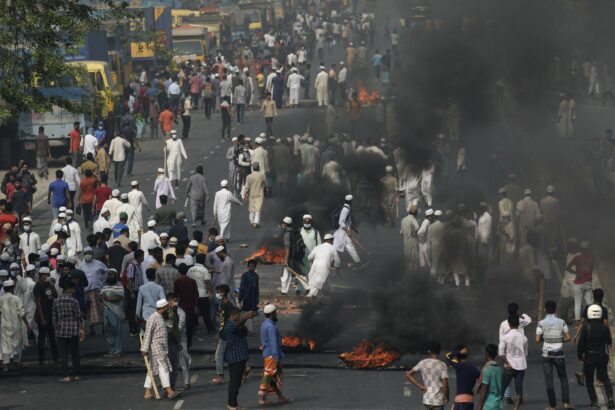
point(117, 229)
point(100, 134)
point(248, 291)
point(271, 340)
point(58, 189)
point(236, 343)
point(149, 294)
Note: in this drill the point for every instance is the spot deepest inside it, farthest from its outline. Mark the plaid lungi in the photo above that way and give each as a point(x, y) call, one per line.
point(272, 377)
point(95, 307)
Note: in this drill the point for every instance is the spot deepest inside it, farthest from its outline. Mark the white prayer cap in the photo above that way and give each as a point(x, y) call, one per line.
point(62, 209)
point(27, 219)
point(389, 169)
point(60, 257)
point(164, 235)
point(160, 171)
point(72, 259)
point(223, 183)
point(269, 308)
point(287, 220)
point(134, 183)
point(4, 256)
point(527, 192)
point(115, 193)
point(193, 243)
point(87, 249)
point(584, 245)
point(341, 63)
point(258, 140)
point(438, 213)
point(429, 212)
point(104, 210)
point(57, 227)
point(502, 191)
point(151, 223)
point(328, 237)
point(30, 268)
point(219, 249)
point(219, 238)
point(45, 248)
point(297, 136)
point(234, 139)
point(307, 216)
point(304, 137)
point(310, 140)
point(8, 283)
point(505, 214)
point(61, 215)
point(349, 197)
point(4, 272)
point(69, 212)
point(173, 240)
point(247, 139)
point(161, 303)
point(322, 67)
point(278, 140)
point(14, 265)
point(550, 189)
point(124, 196)
point(54, 252)
point(262, 135)
point(44, 269)
point(173, 132)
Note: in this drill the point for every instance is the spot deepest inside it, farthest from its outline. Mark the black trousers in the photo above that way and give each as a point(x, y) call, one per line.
point(204, 305)
point(186, 121)
point(87, 214)
point(208, 104)
point(64, 345)
point(131, 311)
point(44, 332)
point(597, 363)
point(191, 319)
point(236, 372)
point(71, 195)
point(174, 359)
point(226, 130)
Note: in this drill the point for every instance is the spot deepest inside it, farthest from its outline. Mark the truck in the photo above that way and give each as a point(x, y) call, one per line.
point(190, 43)
point(99, 76)
point(178, 15)
point(158, 19)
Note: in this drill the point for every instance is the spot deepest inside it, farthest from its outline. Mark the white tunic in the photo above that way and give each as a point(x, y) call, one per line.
point(137, 199)
point(261, 156)
point(163, 186)
point(294, 84)
point(101, 224)
point(112, 204)
point(131, 222)
point(322, 257)
point(424, 244)
point(321, 85)
point(29, 243)
point(149, 240)
point(73, 242)
point(11, 325)
point(340, 237)
point(175, 152)
point(222, 209)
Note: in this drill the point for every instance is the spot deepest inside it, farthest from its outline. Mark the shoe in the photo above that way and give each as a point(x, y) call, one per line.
point(580, 378)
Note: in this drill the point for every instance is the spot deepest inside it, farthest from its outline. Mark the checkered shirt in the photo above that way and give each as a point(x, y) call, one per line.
point(66, 316)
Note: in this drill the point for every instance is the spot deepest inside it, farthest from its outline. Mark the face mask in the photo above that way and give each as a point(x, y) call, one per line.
point(190, 251)
point(307, 226)
point(69, 218)
point(88, 257)
point(27, 228)
point(174, 137)
point(219, 296)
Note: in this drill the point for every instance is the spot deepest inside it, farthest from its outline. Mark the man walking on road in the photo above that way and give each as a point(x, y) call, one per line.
point(174, 152)
point(584, 266)
point(117, 151)
point(43, 153)
point(58, 196)
point(269, 111)
point(513, 351)
point(163, 187)
point(271, 341)
point(199, 194)
point(223, 201)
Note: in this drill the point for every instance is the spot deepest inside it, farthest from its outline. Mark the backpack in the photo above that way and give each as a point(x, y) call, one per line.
point(208, 91)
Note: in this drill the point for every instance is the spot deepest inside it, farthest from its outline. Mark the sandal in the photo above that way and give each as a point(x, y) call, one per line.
point(265, 402)
point(285, 400)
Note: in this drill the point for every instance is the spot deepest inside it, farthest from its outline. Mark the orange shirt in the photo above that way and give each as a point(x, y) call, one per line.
point(88, 186)
point(75, 140)
point(166, 119)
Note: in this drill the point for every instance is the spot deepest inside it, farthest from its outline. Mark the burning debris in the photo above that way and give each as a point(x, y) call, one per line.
point(367, 97)
point(366, 356)
point(297, 343)
point(267, 256)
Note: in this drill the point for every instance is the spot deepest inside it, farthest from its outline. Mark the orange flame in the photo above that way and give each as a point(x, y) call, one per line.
point(367, 97)
point(268, 256)
point(295, 342)
point(366, 356)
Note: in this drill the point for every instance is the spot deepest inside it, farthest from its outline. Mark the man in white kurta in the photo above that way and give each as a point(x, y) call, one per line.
point(309, 160)
point(435, 234)
point(311, 239)
point(321, 86)
point(163, 186)
point(11, 326)
point(150, 239)
point(411, 187)
point(409, 232)
point(175, 153)
point(23, 289)
point(74, 246)
point(427, 184)
point(29, 241)
point(112, 205)
point(343, 234)
point(294, 85)
point(253, 192)
point(132, 221)
point(423, 234)
point(322, 258)
point(137, 199)
point(222, 209)
point(260, 155)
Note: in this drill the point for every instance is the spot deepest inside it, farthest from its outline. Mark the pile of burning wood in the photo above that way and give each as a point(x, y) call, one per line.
point(267, 256)
point(294, 343)
point(367, 356)
point(367, 97)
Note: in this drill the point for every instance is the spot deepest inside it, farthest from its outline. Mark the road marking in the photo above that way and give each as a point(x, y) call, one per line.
point(212, 152)
point(217, 146)
point(184, 179)
point(178, 405)
point(194, 378)
point(205, 157)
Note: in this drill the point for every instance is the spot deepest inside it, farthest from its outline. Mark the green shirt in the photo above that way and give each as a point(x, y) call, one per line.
point(492, 375)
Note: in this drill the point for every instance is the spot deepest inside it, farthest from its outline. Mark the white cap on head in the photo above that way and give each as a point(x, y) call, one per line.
point(322, 67)
point(262, 135)
point(115, 193)
point(134, 183)
point(4, 256)
point(593, 312)
point(527, 191)
point(307, 216)
point(8, 283)
point(550, 189)
point(258, 140)
point(349, 197)
point(4, 272)
point(44, 269)
point(124, 196)
point(389, 169)
point(57, 227)
point(69, 212)
point(173, 132)
point(54, 252)
point(219, 249)
point(223, 183)
point(104, 210)
point(310, 140)
point(269, 308)
point(161, 303)
point(60, 257)
point(193, 243)
point(14, 265)
point(173, 240)
point(62, 215)
point(151, 223)
point(328, 237)
point(234, 139)
point(161, 170)
point(30, 268)
point(45, 248)
point(164, 235)
point(287, 220)
point(429, 212)
point(62, 209)
point(27, 219)
point(247, 139)
point(219, 238)
point(438, 213)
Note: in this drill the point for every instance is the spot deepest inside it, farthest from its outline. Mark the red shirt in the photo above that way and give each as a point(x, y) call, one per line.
point(7, 221)
point(102, 193)
point(188, 293)
point(87, 187)
point(584, 266)
point(75, 140)
point(10, 190)
point(166, 119)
